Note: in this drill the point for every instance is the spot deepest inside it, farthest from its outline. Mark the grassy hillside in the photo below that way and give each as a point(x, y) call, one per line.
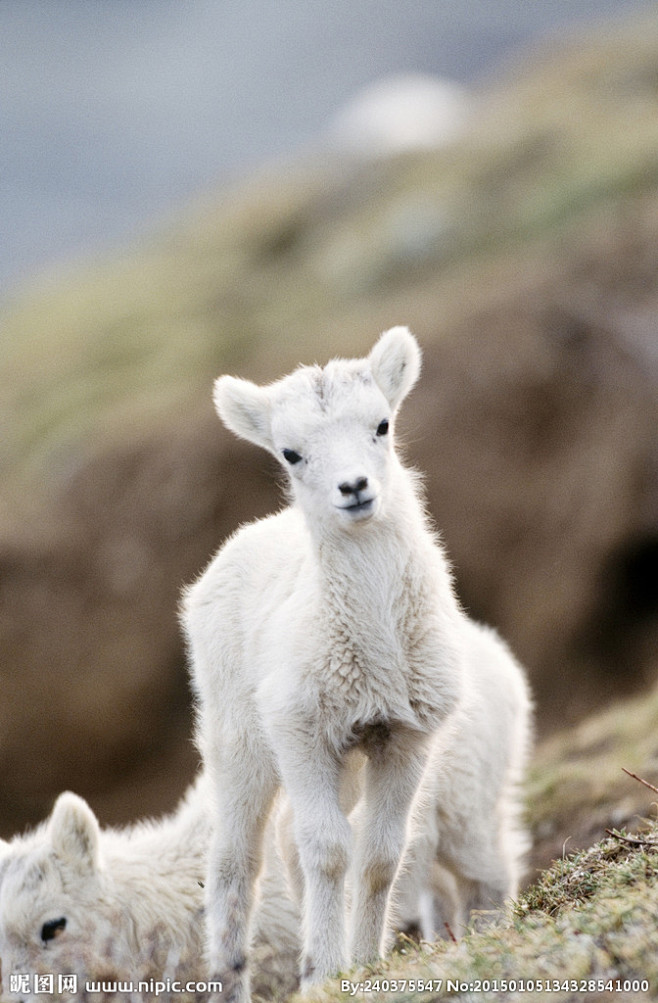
point(323, 253)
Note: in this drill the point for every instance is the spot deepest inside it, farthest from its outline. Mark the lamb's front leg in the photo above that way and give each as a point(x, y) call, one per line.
point(244, 798)
point(392, 778)
point(323, 836)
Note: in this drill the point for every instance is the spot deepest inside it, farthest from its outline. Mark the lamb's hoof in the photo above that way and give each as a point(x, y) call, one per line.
point(234, 984)
point(312, 976)
point(308, 972)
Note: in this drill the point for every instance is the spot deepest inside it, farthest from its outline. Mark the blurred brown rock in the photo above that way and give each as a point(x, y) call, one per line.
point(94, 686)
point(542, 462)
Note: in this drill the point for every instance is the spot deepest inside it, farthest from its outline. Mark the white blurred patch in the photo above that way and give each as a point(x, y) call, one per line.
point(401, 113)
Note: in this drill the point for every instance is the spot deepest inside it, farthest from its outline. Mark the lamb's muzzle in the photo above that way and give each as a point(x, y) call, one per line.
point(360, 497)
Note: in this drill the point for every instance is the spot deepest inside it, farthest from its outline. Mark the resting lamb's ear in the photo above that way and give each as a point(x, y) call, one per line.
point(395, 364)
point(245, 409)
point(74, 831)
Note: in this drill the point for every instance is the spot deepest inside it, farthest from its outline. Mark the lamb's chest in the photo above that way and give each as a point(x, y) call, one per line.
point(366, 688)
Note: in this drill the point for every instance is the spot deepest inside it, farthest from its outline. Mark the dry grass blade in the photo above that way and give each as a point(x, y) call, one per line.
point(645, 782)
point(632, 840)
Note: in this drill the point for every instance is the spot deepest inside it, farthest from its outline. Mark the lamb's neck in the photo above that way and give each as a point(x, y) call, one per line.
point(371, 565)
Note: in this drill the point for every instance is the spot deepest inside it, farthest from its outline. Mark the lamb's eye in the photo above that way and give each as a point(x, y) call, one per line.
point(291, 456)
point(382, 428)
point(52, 929)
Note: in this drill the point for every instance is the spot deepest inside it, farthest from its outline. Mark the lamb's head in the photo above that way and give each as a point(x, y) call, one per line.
point(331, 428)
point(51, 899)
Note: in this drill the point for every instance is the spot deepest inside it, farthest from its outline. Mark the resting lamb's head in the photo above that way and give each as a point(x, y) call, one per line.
point(51, 900)
point(331, 428)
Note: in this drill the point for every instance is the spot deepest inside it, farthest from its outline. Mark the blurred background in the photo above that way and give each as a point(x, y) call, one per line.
point(189, 189)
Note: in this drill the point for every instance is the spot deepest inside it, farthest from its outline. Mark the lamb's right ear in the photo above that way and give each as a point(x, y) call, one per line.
point(245, 409)
point(75, 832)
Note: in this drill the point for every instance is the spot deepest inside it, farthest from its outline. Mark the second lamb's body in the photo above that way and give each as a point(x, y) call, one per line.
point(329, 628)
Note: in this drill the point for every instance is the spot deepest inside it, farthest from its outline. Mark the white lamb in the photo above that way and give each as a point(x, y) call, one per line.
point(329, 631)
point(467, 844)
point(127, 903)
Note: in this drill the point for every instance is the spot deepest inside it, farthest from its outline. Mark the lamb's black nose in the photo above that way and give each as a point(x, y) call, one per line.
point(353, 487)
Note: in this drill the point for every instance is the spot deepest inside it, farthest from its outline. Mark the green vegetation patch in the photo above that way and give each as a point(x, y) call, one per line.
point(608, 866)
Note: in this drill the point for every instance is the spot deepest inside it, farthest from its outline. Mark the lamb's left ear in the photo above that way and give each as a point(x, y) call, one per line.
point(74, 831)
point(395, 364)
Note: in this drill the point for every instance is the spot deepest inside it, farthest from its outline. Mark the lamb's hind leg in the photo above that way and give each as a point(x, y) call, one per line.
point(393, 774)
point(244, 798)
point(483, 865)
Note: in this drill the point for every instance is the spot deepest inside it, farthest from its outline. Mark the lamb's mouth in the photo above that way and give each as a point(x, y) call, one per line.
point(359, 509)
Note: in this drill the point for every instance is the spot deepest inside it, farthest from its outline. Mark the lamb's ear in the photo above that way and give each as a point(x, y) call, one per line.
point(245, 409)
point(395, 364)
point(74, 831)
